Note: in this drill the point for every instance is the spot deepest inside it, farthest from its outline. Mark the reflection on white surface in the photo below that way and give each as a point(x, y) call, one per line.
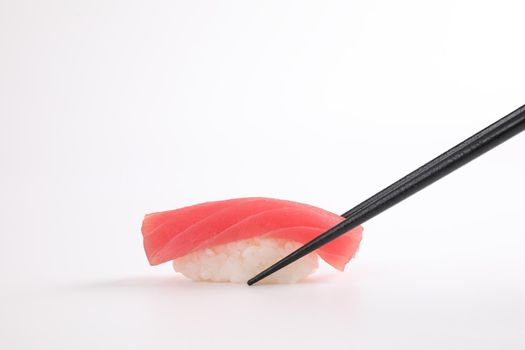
point(375, 307)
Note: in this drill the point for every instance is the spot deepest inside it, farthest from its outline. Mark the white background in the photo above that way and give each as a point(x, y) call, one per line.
point(112, 109)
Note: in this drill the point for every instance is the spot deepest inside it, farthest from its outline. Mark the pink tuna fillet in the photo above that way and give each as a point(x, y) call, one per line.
point(172, 234)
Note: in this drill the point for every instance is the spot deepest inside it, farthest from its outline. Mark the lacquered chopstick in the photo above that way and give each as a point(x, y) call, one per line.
point(468, 150)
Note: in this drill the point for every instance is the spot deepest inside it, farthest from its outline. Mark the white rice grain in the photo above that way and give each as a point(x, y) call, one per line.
point(239, 261)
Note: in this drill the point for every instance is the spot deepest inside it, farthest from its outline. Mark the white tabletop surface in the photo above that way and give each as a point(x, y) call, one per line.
point(112, 109)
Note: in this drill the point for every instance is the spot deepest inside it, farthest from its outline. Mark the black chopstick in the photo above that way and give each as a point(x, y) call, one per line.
point(468, 150)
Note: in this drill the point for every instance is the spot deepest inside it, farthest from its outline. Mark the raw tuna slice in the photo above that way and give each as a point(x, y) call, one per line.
point(192, 230)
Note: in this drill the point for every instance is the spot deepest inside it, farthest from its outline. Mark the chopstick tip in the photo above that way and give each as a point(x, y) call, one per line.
point(255, 279)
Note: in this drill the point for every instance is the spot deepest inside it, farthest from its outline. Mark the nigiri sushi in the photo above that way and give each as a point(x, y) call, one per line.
point(232, 240)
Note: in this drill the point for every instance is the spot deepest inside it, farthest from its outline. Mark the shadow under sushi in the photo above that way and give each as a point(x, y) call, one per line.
point(179, 282)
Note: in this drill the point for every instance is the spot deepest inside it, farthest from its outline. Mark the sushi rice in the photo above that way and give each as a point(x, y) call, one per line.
point(238, 261)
